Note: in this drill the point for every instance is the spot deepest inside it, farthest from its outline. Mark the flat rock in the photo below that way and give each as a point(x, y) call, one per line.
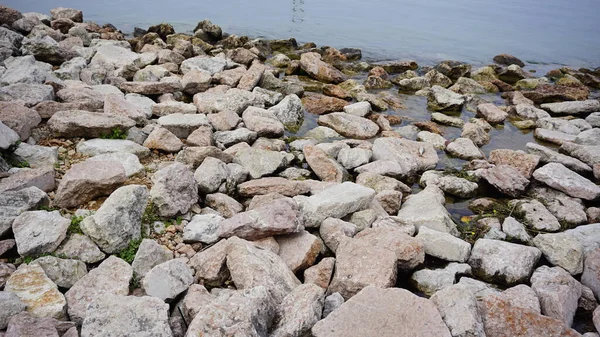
point(464, 148)
point(118, 221)
point(506, 179)
point(174, 191)
point(37, 156)
point(553, 136)
point(491, 113)
point(126, 315)
point(561, 178)
point(80, 247)
point(263, 122)
point(589, 154)
point(88, 180)
point(561, 249)
point(591, 271)
point(130, 162)
point(164, 140)
point(524, 163)
point(320, 104)
point(535, 214)
point(558, 292)
point(443, 245)
point(299, 250)
point(426, 208)
point(203, 228)
point(450, 184)
point(37, 291)
point(409, 251)
point(251, 267)
point(441, 99)
point(63, 272)
point(311, 63)
point(182, 125)
point(350, 319)
point(195, 155)
point(150, 88)
point(458, 308)
point(412, 156)
point(42, 178)
point(38, 232)
point(572, 108)
point(13, 203)
point(260, 162)
point(29, 94)
point(235, 100)
point(503, 262)
point(268, 185)
point(168, 279)
point(111, 277)
point(79, 123)
point(349, 125)
point(149, 255)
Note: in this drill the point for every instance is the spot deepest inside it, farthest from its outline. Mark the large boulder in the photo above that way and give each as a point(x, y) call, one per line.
point(458, 306)
point(29, 94)
point(561, 249)
point(88, 180)
point(561, 178)
point(19, 118)
point(38, 232)
point(350, 319)
point(118, 221)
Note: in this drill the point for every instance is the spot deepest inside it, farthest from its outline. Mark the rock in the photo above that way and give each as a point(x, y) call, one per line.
point(409, 251)
point(326, 168)
point(558, 292)
point(126, 315)
point(261, 162)
point(591, 271)
point(413, 84)
point(524, 163)
point(552, 136)
point(587, 154)
point(29, 94)
point(332, 231)
point(8, 137)
point(246, 312)
point(443, 245)
point(596, 318)
point(111, 277)
point(46, 49)
point(512, 74)
point(168, 279)
point(515, 230)
point(412, 156)
point(182, 125)
point(195, 81)
point(118, 220)
point(263, 122)
point(80, 247)
point(466, 85)
point(503, 262)
point(151, 88)
point(319, 104)
point(588, 137)
point(195, 155)
point(18, 118)
point(351, 319)
point(210, 175)
point(299, 311)
point(528, 111)
point(491, 113)
point(203, 228)
point(311, 63)
point(360, 109)
point(251, 267)
point(355, 269)
point(37, 291)
point(335, 202)
point(71, 69)
point(25, 324)
point(162, 139)
point(507, 60)
point(10, 305)
point(522, 296)
point(13, 203)
point(66, 13)
point(440, 99)
point(458, 308)
point(501, 318)
point(572, 108)
point(546, 93)
point(94, 147)
point(320, 274)
point(477, 134)
point(210, 266)
point(289, 111)
point(449, 184)
point(37, 156)
point(149, 255)
point(506, 179)
point(437, 141)
point(130, 162)
point(299, 250)
point(38, 232)
point(229, 138)
point(331, 303)
point(25, 70)
point(426, 208)
point(352, 158)
point(561, 178)
point(88, 180)
point(548, 155)
point(174, 191)
point(430, 281)
point(464, 148)
point(9, 16)
point(42, 178)
point(63, 272)
point(115, 104)
point(272, 185)
point(535, 214)
point(561, 250)
point(275, 218)
point(79, 123)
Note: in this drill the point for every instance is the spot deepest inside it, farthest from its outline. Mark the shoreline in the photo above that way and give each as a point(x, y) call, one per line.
point(206, 183)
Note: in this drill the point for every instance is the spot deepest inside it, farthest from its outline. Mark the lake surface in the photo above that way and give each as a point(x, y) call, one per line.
point(564, 32)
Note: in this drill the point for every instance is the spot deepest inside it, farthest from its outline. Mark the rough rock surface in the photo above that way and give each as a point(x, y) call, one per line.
point(558, 292)
point(299, 311)
point(561, 178)
point(168, 279)
point(174, 191)
point(38, 232)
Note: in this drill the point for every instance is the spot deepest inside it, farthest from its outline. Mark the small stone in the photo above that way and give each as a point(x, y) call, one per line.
point(174, 191)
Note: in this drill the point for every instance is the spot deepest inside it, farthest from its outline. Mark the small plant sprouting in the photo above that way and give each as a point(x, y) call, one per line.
point(74, 227)
point(128, 254)
point(115, 133)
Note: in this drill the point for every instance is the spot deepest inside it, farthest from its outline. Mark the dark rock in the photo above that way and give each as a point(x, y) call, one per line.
point(507, 59)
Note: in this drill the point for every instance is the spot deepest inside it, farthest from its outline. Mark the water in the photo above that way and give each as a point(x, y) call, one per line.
point(558, 32)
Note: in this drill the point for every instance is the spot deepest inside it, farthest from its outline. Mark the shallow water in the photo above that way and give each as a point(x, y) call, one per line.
point(540, 31)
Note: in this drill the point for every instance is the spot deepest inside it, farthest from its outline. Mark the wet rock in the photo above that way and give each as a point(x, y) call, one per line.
point(88, 180)
point(430, 281)
point(572, 108)
point(111, 277)
point(501, 318)
point(37, 291)
point(118, 220)
point(548, 155)
point(38, 232)
point(168, 279)
point(466, 85)
point(63, 272)
point(453, 69)
point(18, 118)
point(443, 245)
point(247, 312)
point(335, 202)
point(311, 63)
point(506, 179)
point(561, 250)
point(561, 178)
point(275, 218)
point(503, 262)
point(458, 308)
point(464, 148)
point(10, 305)
point(80, 247)
point(94, 147)
point(351, 318)
point(299, 311)
point(449, 184)
point(149, 255)
point(174, 191)
point(443, 99)
point(558, 292)
point(426, 208)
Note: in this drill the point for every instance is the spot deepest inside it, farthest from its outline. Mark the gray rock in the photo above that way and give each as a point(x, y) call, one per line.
point(548, 155)
point(572, 108)
point(355, 157)
point(235, 100)
point(168, 279)
point(335, 202)
point(13, 203)
point(37, 291)
point(561, 178)
point(246, 312)
point(261, 162)
point(251, 267)
point(515, 230)
point(263, 122)
point(332, 231)
point(182, 125)
point(126, 315)
point(70, 69)
point(299, 250)
point(47, 50)
point(430, 281)
point(434, 139)
point(130, 162)
point(203, 228)
point(79, 123)
point(535, 214)
point(558, 292)
point(464, 148)
point(458, 307)
point(591, 271)
point(8, 137)
point(412, 156)
point(228, 138)
point(522, 296)
point(299, 311)
point(94, 147)
point(441, 118)
point(37, 156)
point(350, 126)
point(443, 99)
point(118, 220)
point(149, 255)
point(111, 277)
point(80, 247)
point(150, 88)
point(210, 266)
point(19, 118)
point(449, 184)
point(174, 191)
point(331, 303)
point(63, 272)
point(350, 319)
point(29, 94)
point(504, 262)
point(426, 208)
point(42, 178)
point(25, 70)
point(38, 232)
point(506, 179)
point(561, 249)
point(443, 245)
point(10, 305)
point(589, 154)
point(553, 136)
point(322, 132)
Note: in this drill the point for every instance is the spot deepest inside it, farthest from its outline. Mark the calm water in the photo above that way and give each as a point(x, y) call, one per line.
point(540, 31)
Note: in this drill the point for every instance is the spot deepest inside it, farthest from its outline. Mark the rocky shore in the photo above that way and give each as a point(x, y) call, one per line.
point(207, 184)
